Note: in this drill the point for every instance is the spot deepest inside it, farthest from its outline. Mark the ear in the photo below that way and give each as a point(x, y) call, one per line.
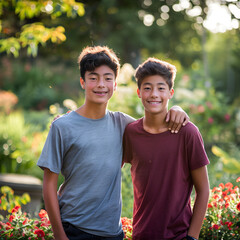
point(82, 82)
point(115, 85)
point(138, 93)
point(171, 93)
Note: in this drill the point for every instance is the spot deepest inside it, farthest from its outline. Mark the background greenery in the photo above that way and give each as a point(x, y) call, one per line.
point(41, 40)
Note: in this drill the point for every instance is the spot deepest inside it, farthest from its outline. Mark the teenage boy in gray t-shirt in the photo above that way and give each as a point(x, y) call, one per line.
point(86, 147)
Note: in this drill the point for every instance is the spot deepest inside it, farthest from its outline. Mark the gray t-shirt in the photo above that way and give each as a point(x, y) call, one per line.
point(88, 153)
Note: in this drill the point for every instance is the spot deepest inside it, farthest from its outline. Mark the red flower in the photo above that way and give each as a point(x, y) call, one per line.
point(221, 185)
point(216, 196)
point(25, 221)
point(238, 179)
point(227, 205)
point(11, 218)
point(215, 226)
point(229, 185)
point(40, 233)
point(15, 209)
point(210, 205)
point(238, 206)
point(42, 213)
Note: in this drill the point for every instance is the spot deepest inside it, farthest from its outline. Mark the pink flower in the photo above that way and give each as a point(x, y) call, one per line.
point(201, 109)
point(227, 117)
point(210, 120)
point(209, 104)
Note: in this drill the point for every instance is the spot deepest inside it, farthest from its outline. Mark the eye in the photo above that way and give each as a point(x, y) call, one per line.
point(93, 78)
point(147, 88)
point(161, 88)
point(109, 79)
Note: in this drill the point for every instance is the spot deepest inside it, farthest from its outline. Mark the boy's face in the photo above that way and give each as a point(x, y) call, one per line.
point(99, 84)
point(155, 93)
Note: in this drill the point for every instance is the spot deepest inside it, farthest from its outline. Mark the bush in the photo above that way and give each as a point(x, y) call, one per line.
point(19, 225)
point(21, 143)
point(222, 219)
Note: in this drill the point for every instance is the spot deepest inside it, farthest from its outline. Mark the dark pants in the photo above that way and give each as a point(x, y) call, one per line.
point(74, 233)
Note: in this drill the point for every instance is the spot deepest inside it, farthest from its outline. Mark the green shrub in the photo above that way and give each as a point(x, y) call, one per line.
point(20, 143)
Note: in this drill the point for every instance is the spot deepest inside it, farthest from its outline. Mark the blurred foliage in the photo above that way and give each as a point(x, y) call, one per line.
point(207, 85)
point(35, 85)
point(19, 32)
point(20, 143)
point(8, 200)
point(127, 192)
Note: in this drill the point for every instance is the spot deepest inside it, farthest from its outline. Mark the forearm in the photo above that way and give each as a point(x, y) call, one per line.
point(199, 210)
point(53, 211)
point(52, 207)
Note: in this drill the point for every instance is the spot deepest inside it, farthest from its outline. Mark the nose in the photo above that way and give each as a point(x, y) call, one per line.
point(101, 82)
point(154, 93)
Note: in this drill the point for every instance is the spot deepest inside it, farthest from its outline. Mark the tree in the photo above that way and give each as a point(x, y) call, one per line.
point(30, 23)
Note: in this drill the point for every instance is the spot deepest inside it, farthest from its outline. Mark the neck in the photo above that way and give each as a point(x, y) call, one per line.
point(92, 111)
point(155, 123)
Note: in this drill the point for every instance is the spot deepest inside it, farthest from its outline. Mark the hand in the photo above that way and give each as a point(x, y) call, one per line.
point(176, 118)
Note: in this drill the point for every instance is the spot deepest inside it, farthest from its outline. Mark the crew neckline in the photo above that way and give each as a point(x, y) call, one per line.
point(91, 119)
point(152, 134)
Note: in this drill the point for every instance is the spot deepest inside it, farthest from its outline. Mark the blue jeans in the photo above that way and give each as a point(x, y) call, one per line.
point(74, 233)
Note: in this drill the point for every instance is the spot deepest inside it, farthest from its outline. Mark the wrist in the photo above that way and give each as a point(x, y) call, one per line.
point(190, 238)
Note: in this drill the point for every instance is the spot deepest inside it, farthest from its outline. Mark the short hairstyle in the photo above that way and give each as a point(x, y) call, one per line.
point(154, 66)
point(96, 56)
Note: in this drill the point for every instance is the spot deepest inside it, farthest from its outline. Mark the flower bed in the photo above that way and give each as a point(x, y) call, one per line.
point(222, 220)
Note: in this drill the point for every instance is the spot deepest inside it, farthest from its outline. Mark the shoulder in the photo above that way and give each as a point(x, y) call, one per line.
point(190, 128)
point(122, 117)
point(63, 120)
point(134, 125)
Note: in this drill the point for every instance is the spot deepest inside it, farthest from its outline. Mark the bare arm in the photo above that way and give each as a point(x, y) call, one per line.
point(176, 118)
point(51, 203)
point(201, 184)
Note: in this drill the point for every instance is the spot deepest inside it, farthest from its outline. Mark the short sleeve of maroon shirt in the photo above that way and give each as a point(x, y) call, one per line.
point(161, 166)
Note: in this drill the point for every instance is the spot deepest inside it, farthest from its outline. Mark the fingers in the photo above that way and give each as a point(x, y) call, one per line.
point(186, 120)
point(176, 121)
point(168, 117)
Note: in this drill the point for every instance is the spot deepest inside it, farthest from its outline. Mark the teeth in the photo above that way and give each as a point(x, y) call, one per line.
point(154, 102)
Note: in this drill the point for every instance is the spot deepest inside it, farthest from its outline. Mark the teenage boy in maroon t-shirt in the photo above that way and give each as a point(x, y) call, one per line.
point(165, 167)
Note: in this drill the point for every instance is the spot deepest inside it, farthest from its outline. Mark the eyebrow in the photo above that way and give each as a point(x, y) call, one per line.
point(147, 83)
point(94, 73)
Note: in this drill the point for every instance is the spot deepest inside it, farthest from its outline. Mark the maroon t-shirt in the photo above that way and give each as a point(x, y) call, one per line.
point(161, 165)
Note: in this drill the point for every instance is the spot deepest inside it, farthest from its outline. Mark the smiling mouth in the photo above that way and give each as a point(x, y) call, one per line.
point(100, 93)
point(154, 102)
